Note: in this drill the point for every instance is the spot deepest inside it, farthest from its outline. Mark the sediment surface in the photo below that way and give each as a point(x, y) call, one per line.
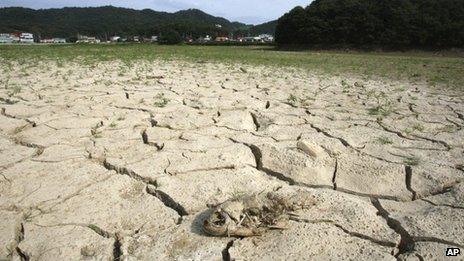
point(111, 161)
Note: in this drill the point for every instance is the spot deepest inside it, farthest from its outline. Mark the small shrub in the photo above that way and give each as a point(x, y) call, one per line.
point(411, 161)
point(418, 127)
point(384, 140)
point(292, 99)
point(161, 101)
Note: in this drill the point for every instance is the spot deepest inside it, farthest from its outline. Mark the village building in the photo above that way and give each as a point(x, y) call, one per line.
point(53, 40)
point(59, 40)
point(267, 38)
point(46, 40)
point(6, 38)
point(221, 39)
point(87, 39)
point(251, 39)
point(115, 38)
point(26, 38)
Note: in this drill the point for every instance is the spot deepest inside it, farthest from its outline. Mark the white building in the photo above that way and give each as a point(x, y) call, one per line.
point(59, 40)
point(6, 38)
point(26, 38)
point(154, 38)
point(15, 38)
point(115, 38)
point(266, 38)
point(252, 39)
point(46, 40)
point(87, 39)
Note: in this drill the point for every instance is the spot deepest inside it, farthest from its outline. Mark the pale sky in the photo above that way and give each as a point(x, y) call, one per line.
point(246, 11)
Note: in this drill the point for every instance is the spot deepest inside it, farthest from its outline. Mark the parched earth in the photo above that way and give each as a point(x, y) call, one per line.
point(122, 162)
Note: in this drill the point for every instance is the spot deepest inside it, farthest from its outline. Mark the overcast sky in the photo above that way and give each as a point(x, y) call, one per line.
point(247, 11)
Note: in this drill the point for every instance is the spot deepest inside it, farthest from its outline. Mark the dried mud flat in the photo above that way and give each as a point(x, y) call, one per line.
point(114, 162)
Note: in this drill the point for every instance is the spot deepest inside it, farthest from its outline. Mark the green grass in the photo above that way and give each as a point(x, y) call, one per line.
point(384, 140)
point(413, 66)
point(411, 161)
point(161, 101)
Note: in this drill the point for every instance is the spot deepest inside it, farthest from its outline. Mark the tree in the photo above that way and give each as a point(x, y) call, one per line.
point(170, 37)
point(376, 23)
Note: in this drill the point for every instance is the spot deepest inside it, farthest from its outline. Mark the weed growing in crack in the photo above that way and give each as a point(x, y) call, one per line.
point(418, 127)
point(88, 251)
point(14, 89)
point(97, 135)
point(292, 100)
point(345, 86)
point(384, 106)
point(237, 194)
point(447, 129)
point(121, 118)
point(411, 161)
point(113, 125)
point(384, 110)
point(305, 101)
point(161, 101)
point(59, 64)
point(384, 140)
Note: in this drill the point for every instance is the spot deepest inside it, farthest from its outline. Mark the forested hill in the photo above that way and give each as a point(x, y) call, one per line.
point(266, 28)
point(377, 23)
point(108, 20)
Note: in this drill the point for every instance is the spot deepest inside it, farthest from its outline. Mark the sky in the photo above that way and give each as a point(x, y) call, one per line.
point(246, 11)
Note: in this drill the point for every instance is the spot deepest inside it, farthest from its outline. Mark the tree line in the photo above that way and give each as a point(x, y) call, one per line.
point(374, 23)
point(104, 22)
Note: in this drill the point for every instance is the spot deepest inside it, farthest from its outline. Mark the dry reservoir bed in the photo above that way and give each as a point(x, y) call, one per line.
point(122, 162)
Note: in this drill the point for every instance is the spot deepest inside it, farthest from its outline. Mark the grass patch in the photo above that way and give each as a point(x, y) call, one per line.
point(384, 140)
point(413, 66)
point(161, 101)
point(411, 161)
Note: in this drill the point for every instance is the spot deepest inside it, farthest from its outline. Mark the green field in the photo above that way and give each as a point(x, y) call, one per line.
point(413, 66)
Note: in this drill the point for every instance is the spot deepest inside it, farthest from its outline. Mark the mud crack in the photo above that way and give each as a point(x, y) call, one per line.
point(408, 177)
point(225, 252)
point(346, 231)
point(406, 243)
point(167, 200)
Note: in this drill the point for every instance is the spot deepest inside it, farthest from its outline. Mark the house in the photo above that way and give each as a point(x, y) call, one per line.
point(154, 39)
point(46, 40)
point(26, 38)
point(221, 39)
point(87, 39)
point(59, 40)
point(267, 38)
point(115, 38)
point(204, 39)
point(6, 38)
point(252, 39)
point(15, 36)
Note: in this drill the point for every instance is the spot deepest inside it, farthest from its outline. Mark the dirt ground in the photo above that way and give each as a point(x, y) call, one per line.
point(117, 162)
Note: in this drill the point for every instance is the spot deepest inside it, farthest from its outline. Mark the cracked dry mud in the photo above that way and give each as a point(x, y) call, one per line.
point(101, 163)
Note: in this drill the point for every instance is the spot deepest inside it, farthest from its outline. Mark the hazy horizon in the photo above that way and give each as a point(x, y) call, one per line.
point(250, 12)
